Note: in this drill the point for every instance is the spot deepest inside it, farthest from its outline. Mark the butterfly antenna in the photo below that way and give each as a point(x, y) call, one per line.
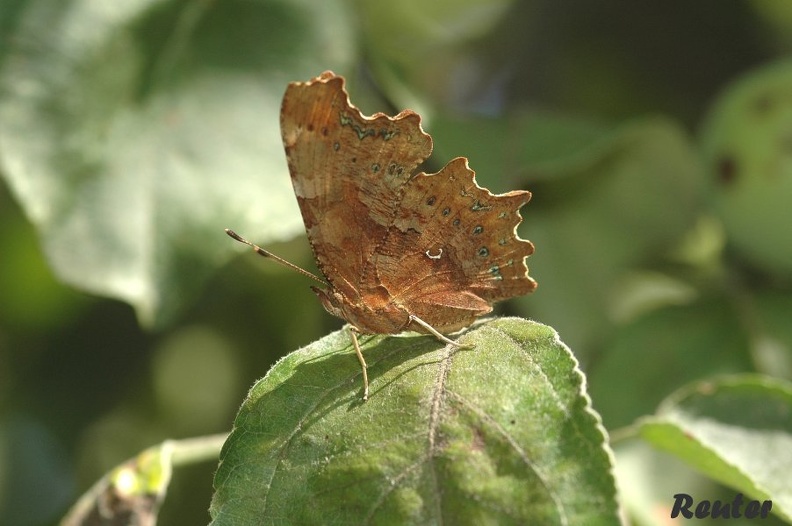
point(267, 254)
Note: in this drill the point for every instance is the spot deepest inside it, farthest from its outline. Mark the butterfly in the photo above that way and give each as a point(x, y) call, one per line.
point(398, 250)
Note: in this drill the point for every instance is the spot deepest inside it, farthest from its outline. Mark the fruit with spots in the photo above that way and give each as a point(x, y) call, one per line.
point(747, 146)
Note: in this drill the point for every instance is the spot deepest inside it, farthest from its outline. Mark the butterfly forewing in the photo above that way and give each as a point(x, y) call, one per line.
point(348, 173)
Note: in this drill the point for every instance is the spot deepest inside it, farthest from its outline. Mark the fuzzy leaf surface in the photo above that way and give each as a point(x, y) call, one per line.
point(501, 432)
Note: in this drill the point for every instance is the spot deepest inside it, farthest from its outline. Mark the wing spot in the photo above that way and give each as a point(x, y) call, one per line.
point(456, 222)
point(478, 229)
point(336, 146)
point(388, 134)
point(434, 256)
point(446, 211)
point(483, 252)
point(495, 271)
point(431, 200)
point(375, 167)
point(478, 206)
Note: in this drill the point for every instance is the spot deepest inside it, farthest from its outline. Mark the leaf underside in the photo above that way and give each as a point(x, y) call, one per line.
point(734, 429)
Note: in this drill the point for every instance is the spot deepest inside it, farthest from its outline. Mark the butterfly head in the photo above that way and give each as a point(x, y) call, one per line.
point(331, 300)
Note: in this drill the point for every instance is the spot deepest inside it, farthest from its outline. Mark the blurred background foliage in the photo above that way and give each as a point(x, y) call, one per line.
point(656, 138)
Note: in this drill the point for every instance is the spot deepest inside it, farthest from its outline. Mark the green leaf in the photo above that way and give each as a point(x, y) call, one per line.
point(501, 432)
point(505, 149)
point(133, 132)
point(133, 492)
point(648, 479)
point(664, 350)
point(425, 58)
point(771, 332)
point(605, 212)
point(736, 430)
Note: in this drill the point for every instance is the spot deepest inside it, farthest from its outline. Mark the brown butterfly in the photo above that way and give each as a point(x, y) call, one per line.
point(398, 250)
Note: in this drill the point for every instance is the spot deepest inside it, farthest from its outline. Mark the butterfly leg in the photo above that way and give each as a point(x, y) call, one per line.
point(353, 331)
point(435, 332)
